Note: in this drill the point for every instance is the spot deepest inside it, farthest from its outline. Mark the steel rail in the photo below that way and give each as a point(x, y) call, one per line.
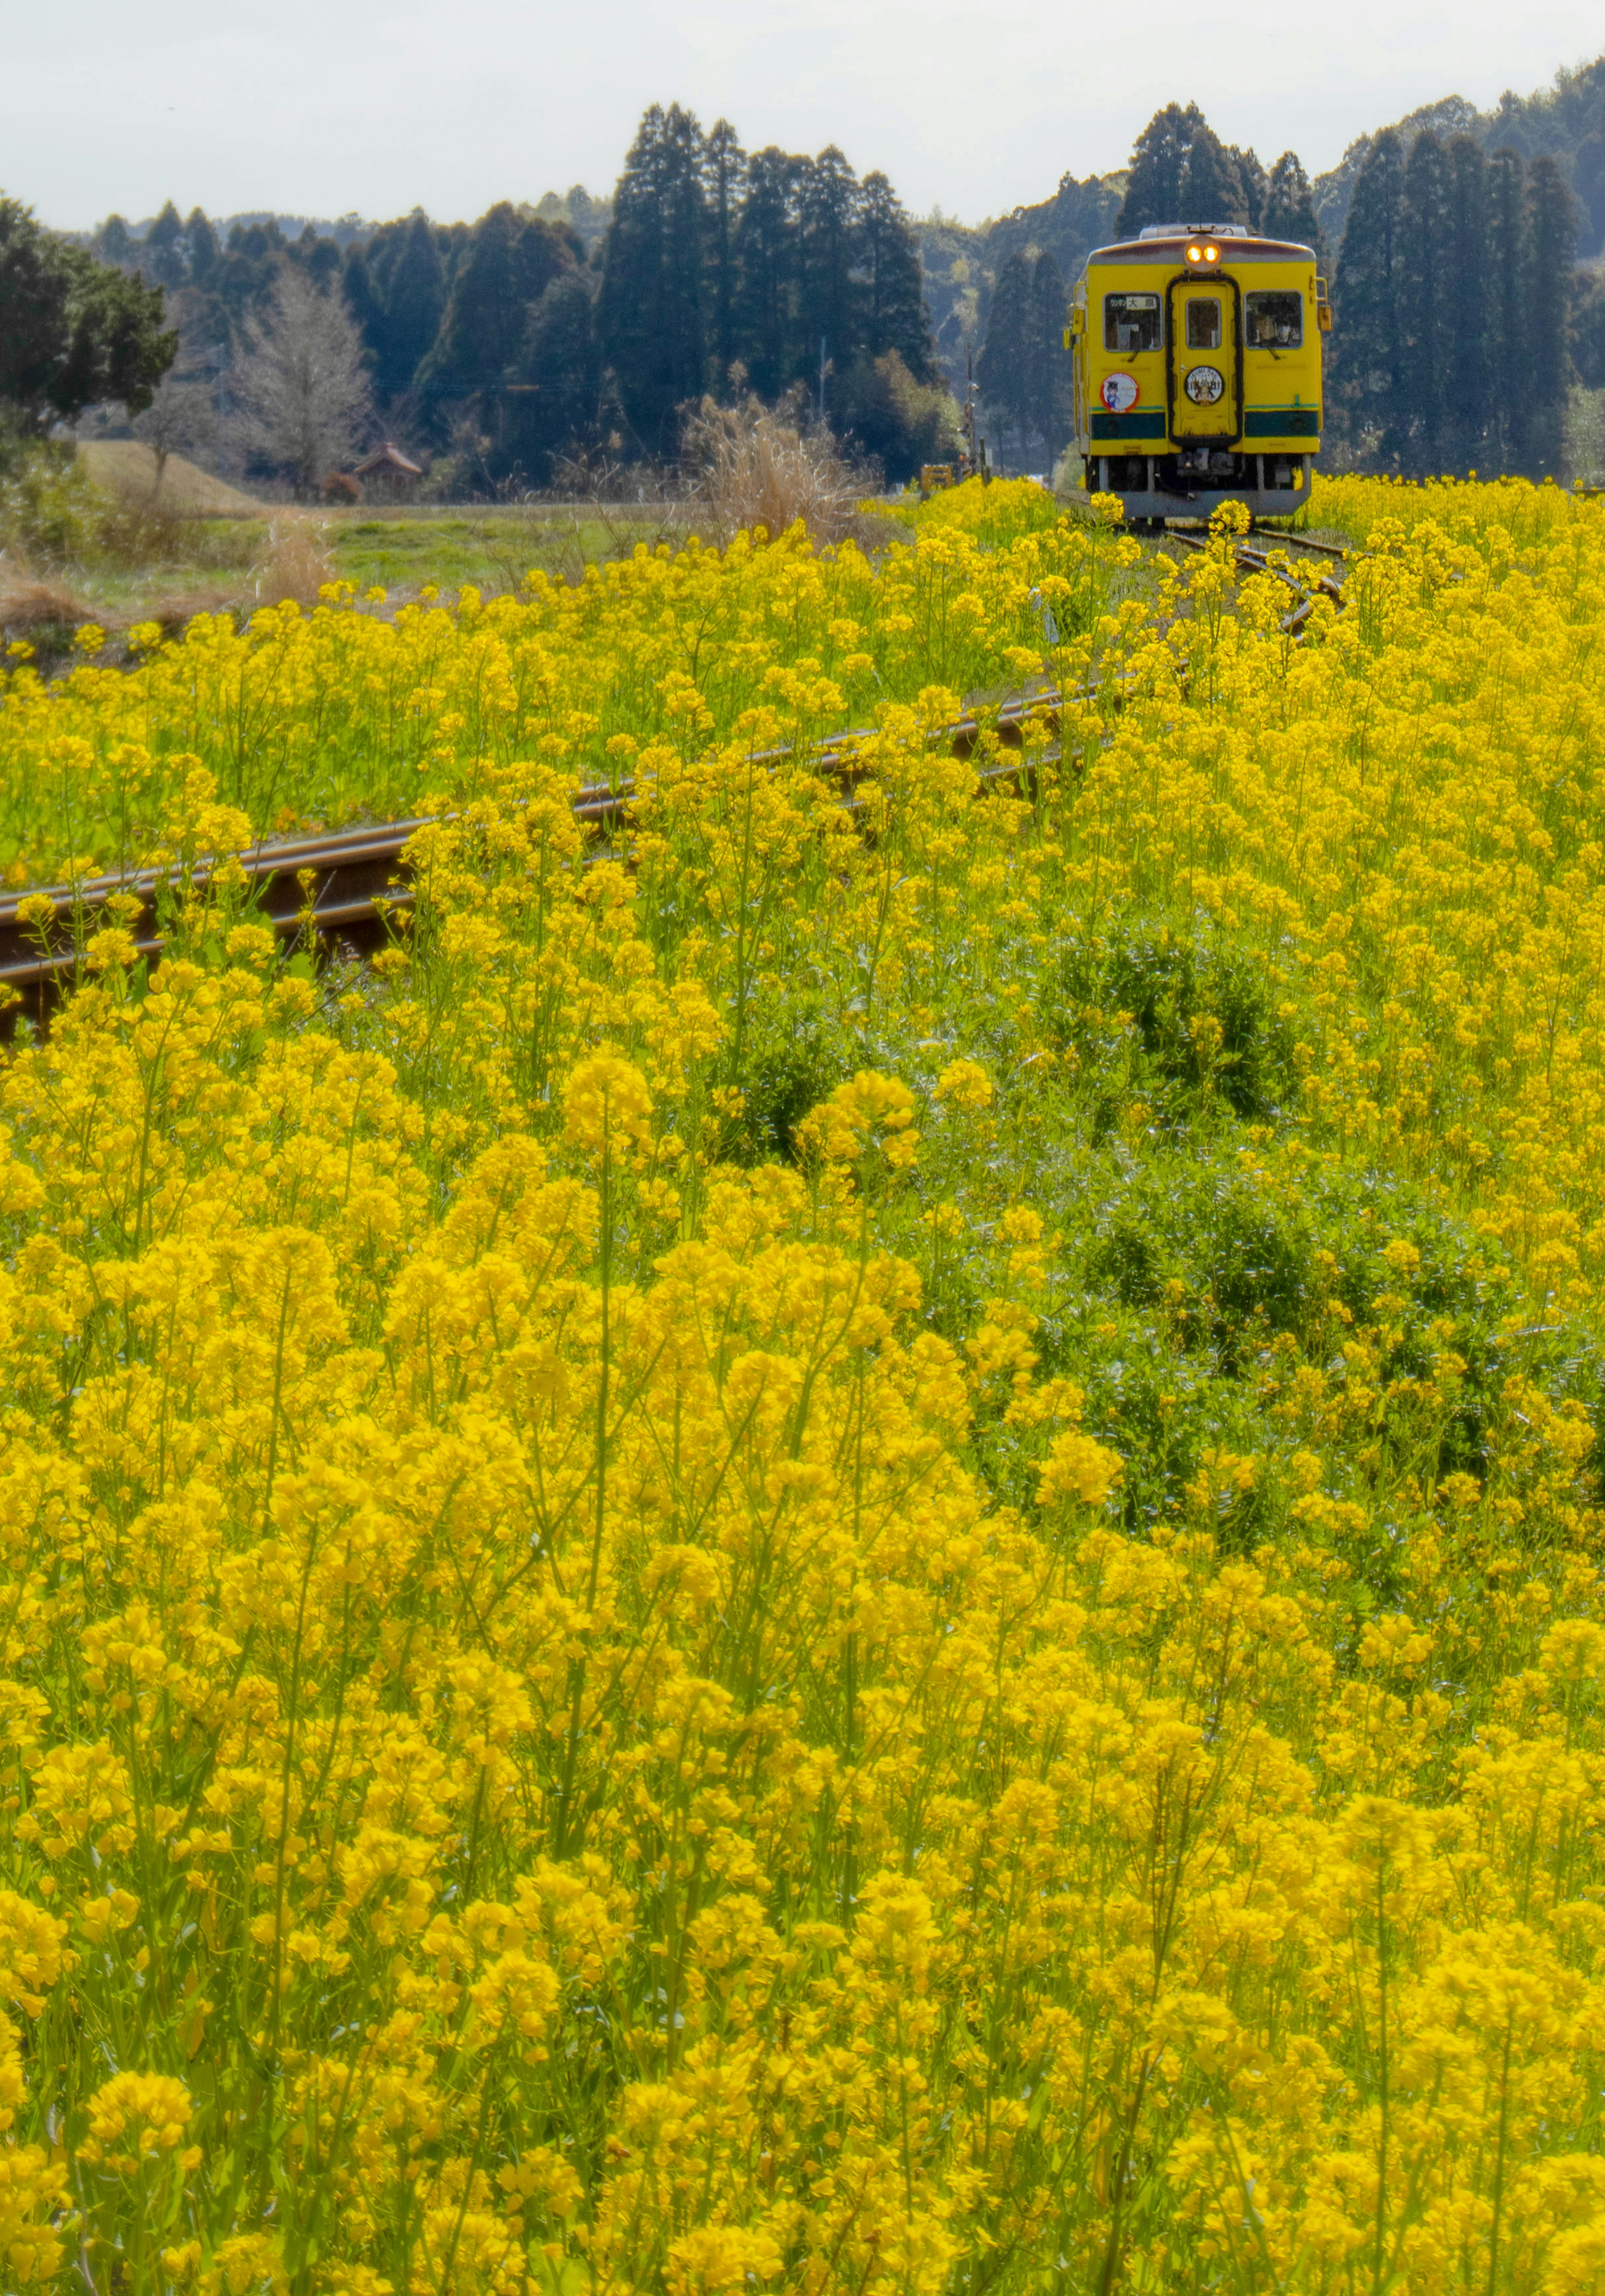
point(344, 887)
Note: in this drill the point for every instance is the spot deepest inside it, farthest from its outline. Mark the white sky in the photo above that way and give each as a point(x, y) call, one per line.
point(320, 106)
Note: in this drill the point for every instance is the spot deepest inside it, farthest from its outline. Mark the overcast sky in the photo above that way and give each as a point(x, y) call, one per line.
point(319, 107)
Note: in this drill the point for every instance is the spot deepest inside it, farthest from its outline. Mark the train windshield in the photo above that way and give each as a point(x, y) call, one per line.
point(1131, 322)
point(1273, 320)
point(1203, 324)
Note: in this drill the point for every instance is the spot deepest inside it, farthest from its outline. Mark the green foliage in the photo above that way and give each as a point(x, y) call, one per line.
point(901, 422)
point(1158, 163)
point(508, 265)
point(72, 330)
point(1177, 1017)
point(1290, 206)
point(795, 1053)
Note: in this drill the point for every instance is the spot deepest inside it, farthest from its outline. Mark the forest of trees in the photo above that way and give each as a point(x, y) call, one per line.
point(510, 343)
point(1457, 307)
point(581, 328)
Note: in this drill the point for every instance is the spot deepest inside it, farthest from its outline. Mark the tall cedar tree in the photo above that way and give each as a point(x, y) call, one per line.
point(1050, 365)
point(1507, 310)
point(1588, 181)
point(827, 246)
point(1023, 371)
point(1004, 369)
point(893, 315)
point(1212, 190)
point(1256, 185)
point(766, 289)
point(1368, 379)
point(1153, 187)
point(1588, 329)
point(116, 244)
point(1427, 307)
point(726, 184)
point(200, 241)
point(319, 259)
point(508, 265)
point(413, 283)
point(1552, 240)
point(361, 298)
point(1290, 206)
point(161, 258)
point(652, 311)
point(1466, 261)
point(560, 409)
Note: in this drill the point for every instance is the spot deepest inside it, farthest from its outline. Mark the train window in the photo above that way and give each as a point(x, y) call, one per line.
point(1203, 324)
point(1273, 319)
point(1131, 322)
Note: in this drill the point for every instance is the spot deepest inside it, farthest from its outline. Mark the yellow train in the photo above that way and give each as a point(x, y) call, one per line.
point(1197, 370)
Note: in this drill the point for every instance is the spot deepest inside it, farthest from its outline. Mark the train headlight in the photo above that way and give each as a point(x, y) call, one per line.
point(1195, 255)
point(1200, 252)
point(1212, 255)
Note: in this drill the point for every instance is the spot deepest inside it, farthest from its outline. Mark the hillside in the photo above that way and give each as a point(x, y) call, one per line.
point(127, 468)
point(1565, 122)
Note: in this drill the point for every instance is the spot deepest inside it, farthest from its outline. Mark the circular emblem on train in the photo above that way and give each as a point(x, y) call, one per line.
point(1120, 393)
point(1205, 385)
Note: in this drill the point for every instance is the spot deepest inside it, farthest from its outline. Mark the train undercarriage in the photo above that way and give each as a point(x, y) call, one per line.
point(1192, 482)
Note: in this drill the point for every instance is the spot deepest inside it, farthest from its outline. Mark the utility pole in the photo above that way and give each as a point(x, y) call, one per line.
point(822, 383)
point(977, 447)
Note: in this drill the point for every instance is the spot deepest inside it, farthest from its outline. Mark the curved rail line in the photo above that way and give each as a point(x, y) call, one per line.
point(342, 890)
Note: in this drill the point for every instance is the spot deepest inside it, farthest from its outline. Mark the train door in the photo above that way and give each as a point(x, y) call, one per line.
point(1206, 358)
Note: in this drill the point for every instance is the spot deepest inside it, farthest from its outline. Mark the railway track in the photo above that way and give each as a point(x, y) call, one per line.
point(340, 890)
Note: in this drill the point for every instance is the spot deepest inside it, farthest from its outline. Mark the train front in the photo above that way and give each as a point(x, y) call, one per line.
point(1197, 360)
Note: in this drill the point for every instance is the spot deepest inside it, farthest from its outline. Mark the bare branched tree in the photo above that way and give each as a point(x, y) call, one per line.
point(180, 418)
point(301, 387)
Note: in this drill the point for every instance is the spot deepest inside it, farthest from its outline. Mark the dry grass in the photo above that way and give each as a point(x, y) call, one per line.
point(32, 608)
point(126, 468)
point(296, 564)
point(749, 468)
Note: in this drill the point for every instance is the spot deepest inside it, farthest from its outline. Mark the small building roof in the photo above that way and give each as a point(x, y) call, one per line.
point(387, 457)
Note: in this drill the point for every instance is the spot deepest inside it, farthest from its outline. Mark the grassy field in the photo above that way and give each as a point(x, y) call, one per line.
point(94, 540)
point(404, 551)
point(861, 1553)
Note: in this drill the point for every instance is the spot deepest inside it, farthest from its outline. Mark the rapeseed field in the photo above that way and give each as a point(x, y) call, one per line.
point(855, 1548)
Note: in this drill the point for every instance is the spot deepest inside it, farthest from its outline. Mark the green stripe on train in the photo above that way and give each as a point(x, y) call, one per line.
point(1259, 422)
point(1128, 426)
point(1283, 422)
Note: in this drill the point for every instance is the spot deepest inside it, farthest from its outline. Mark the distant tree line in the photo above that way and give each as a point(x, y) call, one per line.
point(1023, 370)
point(513, 344)
point(724, 270)
point(582, 328)
point(1456, 299)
